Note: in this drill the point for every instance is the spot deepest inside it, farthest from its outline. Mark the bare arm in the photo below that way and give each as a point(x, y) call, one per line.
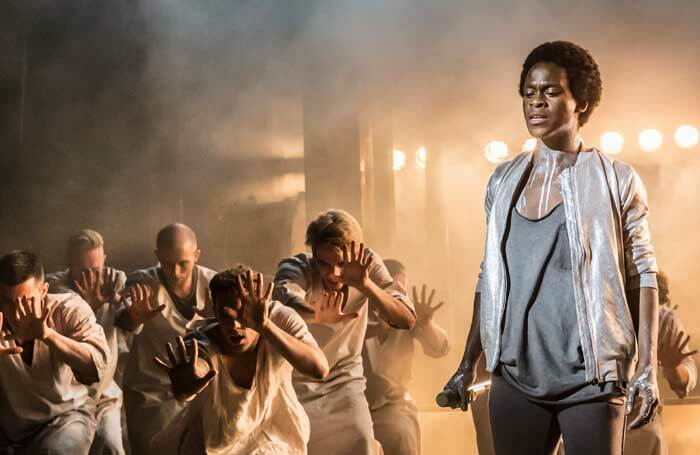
point(675, 357)
point(35, 322)
point(389, 307)
point(77, 355)
point(426, 331)
point(356, 273)
point(309, 360)
point(645, 311)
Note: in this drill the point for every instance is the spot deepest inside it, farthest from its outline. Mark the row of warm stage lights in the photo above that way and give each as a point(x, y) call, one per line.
point(400, 159)
point(686, 137)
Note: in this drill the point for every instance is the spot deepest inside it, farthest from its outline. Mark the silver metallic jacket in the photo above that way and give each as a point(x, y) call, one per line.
point(611, 252)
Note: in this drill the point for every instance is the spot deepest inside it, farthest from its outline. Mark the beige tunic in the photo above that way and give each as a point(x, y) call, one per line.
point(149, 403)
point(336, 405)
point(266, 419)
point(31, 396)
point(106, 391)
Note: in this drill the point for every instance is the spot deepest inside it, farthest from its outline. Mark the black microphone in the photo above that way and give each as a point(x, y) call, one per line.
point(448, 398)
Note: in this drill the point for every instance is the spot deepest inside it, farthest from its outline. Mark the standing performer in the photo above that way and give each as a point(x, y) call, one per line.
point(164, 301)
point(331, 289)
point(99, 286)
point(54, 349)
point(388, 363)
point(678, 369)
point(568, 276)
point(237, 375)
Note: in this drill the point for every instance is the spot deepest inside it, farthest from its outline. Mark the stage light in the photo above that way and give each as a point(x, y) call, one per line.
point(529, 145)
point(611, 143)
point(399, 159)
point(686, 136)
point(422, 158)
point(650, 140)
point(496, 151)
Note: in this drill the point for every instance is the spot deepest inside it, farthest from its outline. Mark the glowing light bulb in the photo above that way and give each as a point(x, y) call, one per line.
point(399, 159)
point(686, 136)
point(611, 142)
point(650, 140)
point(529, 145)
point(496, 151)
point(422, 158)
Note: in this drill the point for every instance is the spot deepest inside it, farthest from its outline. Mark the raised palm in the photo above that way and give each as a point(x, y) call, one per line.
point(187, 375)
point(255, 305)
point(356, 264)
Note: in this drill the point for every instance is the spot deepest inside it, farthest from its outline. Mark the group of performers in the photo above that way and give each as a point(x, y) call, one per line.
point(317, 361)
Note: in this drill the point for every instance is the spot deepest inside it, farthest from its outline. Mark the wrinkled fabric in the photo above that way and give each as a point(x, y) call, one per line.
point(226, 419)
point(388, 361)
point(60, 282)
point(148, 400)
point(31, 396)
point(298, 285)
point(396, 428)
point(606, 213)
point(70, 433)
point(108, 432)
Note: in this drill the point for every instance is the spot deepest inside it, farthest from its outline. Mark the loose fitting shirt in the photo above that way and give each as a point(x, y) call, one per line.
point(31, 396)
point(298, 285)
point(227, 419)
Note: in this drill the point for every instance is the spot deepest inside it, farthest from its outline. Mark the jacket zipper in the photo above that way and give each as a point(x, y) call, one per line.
point(574, 197)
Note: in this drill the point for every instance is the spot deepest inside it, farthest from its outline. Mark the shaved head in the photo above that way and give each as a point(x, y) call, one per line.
point(176, 250)
point(175, 234)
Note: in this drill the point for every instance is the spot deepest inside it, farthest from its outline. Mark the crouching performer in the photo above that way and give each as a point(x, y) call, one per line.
point(164, 301)
point(236, 373)
point(334, 289)
point(52, 350)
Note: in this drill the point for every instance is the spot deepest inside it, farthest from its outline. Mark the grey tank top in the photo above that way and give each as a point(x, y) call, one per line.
point(541, 353)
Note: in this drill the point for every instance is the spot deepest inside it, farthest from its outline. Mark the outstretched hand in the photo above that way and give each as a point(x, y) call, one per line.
point(356, 264)
point(329, 310)
point(255, 306)
point(424, 308)
point(97, 287)
point(187, 375)
point(33, 318)
point(8, 351)
point(672, 354)
point(142, 300)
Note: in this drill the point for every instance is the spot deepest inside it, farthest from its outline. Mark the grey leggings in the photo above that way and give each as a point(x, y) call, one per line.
point(522, 427)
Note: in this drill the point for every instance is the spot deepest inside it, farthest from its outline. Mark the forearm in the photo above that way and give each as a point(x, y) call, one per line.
point(308, 360)
point(473, 348)
point(123, 320)
point(646, 301)
point(77, 355)
point(678, 378)
point(432, 338)
point(390, 308)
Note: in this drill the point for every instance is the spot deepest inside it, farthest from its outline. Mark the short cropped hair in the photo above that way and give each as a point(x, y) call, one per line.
point(19, 266)
point(166, 236)
point(394, 267)
point(663, 283)
point(333, 227)
point(581, 70)
point(227, 279)
point(84, 239)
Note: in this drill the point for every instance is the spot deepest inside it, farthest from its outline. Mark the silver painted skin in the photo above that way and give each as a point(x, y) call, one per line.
point(606, 218)
point(542, 192)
